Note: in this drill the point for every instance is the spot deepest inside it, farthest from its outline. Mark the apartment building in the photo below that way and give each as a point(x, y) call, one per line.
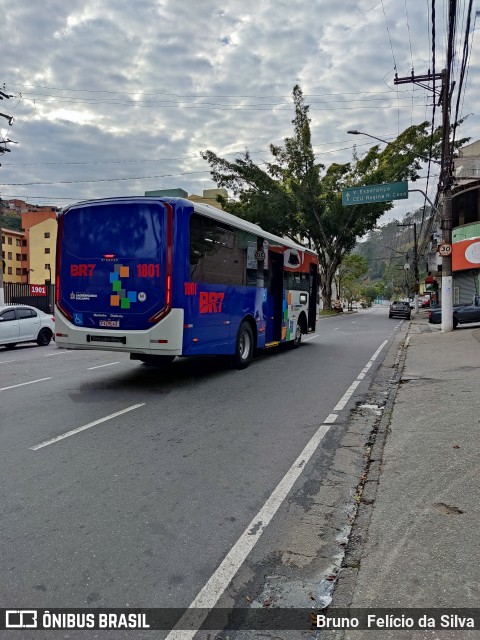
point(15, 254)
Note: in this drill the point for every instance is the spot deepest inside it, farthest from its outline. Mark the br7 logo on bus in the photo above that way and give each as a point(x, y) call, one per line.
point(81, 270)
point(211, 301)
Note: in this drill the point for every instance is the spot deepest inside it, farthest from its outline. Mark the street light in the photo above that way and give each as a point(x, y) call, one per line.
point(354, 132)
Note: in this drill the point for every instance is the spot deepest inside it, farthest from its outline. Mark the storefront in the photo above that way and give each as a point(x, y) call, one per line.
point(466, 270)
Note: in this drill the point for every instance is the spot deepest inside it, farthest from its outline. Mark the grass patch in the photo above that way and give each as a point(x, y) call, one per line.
point(326, 312)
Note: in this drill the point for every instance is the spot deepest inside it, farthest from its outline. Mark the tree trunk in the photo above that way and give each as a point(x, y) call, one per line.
point(326, 281)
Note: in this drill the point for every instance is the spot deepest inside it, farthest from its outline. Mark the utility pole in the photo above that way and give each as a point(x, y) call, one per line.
point(446, 226)
point(446, 179)
point(4, 149)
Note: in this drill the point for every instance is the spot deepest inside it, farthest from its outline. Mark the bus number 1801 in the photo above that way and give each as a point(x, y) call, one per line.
point(148, 270)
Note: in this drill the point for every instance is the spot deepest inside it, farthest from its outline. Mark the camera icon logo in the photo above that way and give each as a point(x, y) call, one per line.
point(20, 619)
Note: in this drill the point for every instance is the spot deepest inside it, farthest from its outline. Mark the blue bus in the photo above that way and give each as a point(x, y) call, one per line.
point(165, 277)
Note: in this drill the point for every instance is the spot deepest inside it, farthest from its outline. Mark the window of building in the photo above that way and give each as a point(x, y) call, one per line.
point(9, 256)
point(47, 249)
point(24, 271)
point(9, 271)
point(18, 272)
point(19, 257)
point(24, 243)
point(47, 267)
point(9, 240)
point(24, 257)
point(46, 234)
point(3, 239)
point(18, 242)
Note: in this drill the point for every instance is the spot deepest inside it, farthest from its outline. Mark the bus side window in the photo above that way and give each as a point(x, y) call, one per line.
point(218, 253)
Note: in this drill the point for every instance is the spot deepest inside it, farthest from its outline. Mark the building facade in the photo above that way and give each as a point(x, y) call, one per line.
point(465, 229)
point(466, 224)
point(41, 233)
point(15, 254)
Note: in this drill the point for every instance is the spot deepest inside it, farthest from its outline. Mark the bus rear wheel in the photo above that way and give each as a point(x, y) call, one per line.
point(243, 346)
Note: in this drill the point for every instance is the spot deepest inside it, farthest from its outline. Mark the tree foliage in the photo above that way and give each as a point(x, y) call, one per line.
point(296, 196)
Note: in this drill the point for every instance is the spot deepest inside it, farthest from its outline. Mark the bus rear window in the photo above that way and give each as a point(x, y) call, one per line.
point(122, 230)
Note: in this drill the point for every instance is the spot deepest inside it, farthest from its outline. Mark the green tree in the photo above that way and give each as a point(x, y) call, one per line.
point(371, 292)
point(300, 198)
point(348, 276)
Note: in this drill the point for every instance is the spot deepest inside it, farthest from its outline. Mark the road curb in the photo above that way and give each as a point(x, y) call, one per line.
point(391, 370)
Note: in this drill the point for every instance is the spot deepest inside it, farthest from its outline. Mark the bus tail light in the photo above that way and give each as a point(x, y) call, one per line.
point(169, 290)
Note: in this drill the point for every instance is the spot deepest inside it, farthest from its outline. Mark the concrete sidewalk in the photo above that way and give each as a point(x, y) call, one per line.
point(415, 541)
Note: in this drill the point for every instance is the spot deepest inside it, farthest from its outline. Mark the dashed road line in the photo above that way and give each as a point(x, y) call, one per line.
point(99, 366)
point(59, 353)
point(22, 384)
point(85, 426)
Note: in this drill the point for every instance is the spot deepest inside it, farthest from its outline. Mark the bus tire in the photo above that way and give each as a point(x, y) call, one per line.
point(300, 329)
point(243, 346)
point(298, 336)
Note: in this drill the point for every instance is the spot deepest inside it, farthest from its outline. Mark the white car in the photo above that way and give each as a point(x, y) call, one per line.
point(21, 323)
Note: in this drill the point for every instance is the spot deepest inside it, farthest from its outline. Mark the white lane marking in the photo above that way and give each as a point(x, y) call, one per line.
point(336, 328)
point(22, 384)
point(349, 392)
point(347, 395)
point(102, 365)
point(330, 419)
point(221, 578)
point(315, 335)
point(85, 426)
point(375, 355)
point(7, 361)
point(354, 321)
point(60, 352)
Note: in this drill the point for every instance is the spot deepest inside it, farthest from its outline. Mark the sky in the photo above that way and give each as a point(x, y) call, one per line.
point(117, 97)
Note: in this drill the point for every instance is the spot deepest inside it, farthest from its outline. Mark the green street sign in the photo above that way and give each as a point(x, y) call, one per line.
point(375, 193)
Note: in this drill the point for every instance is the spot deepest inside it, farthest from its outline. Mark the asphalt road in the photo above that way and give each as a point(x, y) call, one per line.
point(140, 506)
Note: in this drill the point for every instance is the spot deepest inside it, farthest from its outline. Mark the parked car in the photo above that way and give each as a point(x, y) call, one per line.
point(400, 309)
point(22, 323)
point(462, 313)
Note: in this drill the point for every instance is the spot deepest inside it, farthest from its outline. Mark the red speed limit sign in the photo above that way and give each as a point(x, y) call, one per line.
point(445, 249)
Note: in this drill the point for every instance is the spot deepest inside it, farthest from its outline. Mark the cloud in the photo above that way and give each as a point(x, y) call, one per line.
point(120, 97)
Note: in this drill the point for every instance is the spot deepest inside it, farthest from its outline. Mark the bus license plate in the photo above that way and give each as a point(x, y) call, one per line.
point(121, 339)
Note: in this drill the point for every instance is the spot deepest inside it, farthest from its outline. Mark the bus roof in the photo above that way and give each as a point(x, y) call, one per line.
point(204, 209)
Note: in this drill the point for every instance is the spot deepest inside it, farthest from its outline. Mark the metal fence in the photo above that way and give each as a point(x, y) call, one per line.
point(22, 293)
